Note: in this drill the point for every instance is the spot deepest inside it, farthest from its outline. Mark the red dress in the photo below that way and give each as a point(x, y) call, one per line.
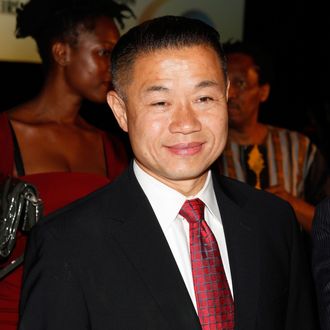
point(56, 189)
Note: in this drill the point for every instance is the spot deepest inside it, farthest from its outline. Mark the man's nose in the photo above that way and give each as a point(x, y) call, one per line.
point(185, 120)
point(233, 91)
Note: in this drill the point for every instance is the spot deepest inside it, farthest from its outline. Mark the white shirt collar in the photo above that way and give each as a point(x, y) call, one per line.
point(167, 202)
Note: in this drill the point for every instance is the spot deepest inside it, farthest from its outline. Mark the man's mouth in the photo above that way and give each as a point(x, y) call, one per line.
point(186, 149)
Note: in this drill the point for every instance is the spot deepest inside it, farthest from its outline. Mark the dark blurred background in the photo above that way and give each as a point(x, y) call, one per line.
point(297, 35)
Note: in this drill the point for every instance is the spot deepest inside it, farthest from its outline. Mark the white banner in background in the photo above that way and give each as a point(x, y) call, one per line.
point(12, 49)
point(226, 16)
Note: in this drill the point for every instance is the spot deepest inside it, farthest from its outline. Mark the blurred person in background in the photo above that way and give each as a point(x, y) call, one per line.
point(45, 141)
point(279, 160)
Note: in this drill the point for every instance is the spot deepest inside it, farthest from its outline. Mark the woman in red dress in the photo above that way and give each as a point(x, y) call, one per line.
point(45, 141)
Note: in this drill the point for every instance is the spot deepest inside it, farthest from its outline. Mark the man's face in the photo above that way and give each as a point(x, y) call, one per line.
point(245, 93)
point(175, 113)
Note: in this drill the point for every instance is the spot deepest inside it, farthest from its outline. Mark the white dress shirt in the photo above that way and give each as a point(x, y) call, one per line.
point(166, 204)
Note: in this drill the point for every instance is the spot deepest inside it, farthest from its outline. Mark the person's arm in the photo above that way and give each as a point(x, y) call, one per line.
point(321, 260)
point(304, 211)
point(316, 188)
point(51, 297)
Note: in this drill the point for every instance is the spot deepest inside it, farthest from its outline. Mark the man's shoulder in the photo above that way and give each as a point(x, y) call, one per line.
point(243, 192)
point(270, 215)
point(257, 202)
point(88, 211)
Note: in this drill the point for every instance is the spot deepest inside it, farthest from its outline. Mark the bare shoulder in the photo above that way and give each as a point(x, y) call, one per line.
point(21, 114)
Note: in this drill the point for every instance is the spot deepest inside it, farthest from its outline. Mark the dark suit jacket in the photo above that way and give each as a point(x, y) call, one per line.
point(104, 263)
point(321, 260)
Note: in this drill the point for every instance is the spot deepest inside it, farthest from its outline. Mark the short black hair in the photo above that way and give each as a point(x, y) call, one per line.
point(260, 56)
point(47, 21)
point(161, 33)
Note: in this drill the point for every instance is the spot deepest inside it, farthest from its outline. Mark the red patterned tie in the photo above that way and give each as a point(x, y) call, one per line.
point(214, 301)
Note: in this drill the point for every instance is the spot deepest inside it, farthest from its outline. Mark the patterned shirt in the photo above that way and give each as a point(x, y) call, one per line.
point(286, 158)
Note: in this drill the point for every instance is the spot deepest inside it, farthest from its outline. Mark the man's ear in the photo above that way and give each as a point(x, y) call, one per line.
point(61, 53)
point(264, 92)
point(118, 108)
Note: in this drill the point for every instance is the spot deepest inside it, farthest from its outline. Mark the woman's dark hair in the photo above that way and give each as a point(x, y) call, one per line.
point(161, 33)
point(47, 21)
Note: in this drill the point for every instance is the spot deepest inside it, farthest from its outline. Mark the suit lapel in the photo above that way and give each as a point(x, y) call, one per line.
point(242, 243)
point(139, 234)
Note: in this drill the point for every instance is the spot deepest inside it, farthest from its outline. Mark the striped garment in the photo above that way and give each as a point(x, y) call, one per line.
point(286, 159)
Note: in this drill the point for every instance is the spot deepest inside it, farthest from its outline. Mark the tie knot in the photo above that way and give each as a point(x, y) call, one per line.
point(192, 210)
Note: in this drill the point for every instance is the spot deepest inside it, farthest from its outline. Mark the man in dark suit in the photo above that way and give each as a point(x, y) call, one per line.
point(321, 260)
point(169, 245)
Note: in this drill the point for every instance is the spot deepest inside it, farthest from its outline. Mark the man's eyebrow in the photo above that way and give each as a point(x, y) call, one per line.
point(156, 88)
point(206, 83)
point(160, 88)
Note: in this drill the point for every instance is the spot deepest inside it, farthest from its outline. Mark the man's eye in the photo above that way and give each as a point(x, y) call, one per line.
point(104, 52)
point(159, 104)
point(238, 83)
point(204, 99)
